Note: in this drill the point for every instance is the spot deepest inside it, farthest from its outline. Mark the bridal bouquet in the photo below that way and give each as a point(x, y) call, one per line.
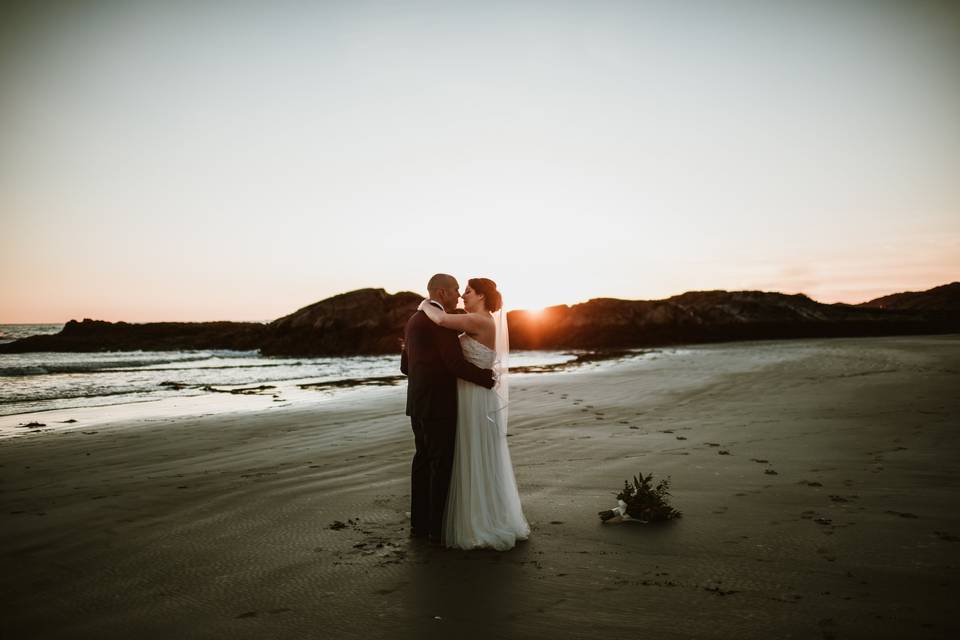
point(642, 502)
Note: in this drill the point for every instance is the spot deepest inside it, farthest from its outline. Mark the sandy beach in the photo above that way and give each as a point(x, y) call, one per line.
point(819, 482)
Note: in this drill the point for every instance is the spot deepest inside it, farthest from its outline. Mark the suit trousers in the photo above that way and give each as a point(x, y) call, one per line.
point(435, 439)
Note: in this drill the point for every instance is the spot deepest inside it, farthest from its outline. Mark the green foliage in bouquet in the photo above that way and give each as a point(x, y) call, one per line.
point(647, 502)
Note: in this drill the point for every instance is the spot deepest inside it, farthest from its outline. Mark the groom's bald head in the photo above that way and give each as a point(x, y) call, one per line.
point(444, 289)
point(442, 281)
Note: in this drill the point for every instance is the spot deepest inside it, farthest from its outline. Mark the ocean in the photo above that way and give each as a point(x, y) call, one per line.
point(39, 382)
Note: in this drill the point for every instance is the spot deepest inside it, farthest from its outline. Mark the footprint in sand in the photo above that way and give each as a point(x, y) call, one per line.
point(712, 444)
point(681, 437)
point(254, 614)
point(810, 483)
point(337, 525)
point(759, 460)
point(770, 472)
point(718, 591)
point(902, 514)
point(826, 554)
point(723, 452)
point(946, 537)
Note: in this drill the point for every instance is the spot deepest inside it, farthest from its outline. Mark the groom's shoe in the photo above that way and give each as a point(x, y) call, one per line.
point(417, 535)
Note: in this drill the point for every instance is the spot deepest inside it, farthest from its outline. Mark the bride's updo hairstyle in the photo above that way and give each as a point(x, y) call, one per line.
point(487, 288)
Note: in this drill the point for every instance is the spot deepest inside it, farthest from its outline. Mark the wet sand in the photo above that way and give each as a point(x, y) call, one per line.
point(819, 482)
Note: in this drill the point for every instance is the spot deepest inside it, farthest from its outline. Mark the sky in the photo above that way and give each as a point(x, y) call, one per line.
point(240, 160)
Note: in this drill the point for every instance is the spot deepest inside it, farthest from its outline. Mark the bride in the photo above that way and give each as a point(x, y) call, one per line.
point(483, 505)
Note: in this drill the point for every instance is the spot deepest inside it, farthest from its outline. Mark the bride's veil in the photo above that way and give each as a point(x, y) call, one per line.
point(501, 369)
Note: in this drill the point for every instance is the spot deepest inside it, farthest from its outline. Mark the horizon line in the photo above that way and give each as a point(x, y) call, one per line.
point(64, 322)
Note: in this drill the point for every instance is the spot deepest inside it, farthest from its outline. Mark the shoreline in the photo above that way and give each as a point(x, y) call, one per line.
point(224, 525)
point(222, 398)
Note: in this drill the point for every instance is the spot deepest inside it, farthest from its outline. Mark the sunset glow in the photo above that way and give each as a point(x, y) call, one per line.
point(171, 162)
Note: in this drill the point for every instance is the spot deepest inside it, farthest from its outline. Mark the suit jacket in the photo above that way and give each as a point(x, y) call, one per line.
point(432, 361)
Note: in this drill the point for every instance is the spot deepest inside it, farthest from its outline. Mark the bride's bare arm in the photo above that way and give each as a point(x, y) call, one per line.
point(468, 322)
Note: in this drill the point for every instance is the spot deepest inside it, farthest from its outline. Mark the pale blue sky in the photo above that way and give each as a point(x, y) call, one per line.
point(200, 161)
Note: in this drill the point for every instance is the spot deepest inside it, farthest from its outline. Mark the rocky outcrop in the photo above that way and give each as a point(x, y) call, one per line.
point(363, 322)
point(371, 321)
point(709, 316)
point(945, 298)
point(98, 335)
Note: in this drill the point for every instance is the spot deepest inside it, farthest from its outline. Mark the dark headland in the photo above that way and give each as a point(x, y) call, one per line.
point(370, 322)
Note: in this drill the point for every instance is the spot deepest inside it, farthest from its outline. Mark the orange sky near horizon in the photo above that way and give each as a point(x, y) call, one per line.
point(267, 301)
point(187, 163)
point(270, 302)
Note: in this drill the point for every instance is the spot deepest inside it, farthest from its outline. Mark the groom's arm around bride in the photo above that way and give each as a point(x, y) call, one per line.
point(432, 360)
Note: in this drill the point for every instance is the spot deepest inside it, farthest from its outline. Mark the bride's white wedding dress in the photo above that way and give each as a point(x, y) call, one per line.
point(483, 505)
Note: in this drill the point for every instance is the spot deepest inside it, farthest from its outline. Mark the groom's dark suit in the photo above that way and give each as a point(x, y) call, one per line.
point(432, 361)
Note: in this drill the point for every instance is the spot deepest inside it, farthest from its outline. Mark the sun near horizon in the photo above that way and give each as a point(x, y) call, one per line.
point(535, 309)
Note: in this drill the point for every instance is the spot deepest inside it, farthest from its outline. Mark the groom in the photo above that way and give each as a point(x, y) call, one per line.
point(432, 361)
